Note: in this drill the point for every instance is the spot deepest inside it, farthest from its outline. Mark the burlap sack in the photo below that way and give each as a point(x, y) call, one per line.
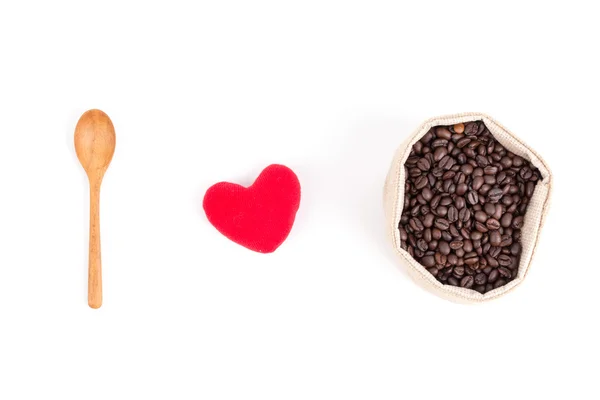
point(534, 217)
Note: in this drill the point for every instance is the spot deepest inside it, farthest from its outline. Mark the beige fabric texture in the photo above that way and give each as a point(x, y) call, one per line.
point(534, 217)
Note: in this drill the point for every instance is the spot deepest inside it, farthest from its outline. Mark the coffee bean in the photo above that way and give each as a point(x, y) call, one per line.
point(494, 195)
point(504, 272)
point(416, 224)
point(459, 202)
point(441, 224)
point(453, 281)
point(443, 133)
point(421, 182)
point(471, 128)
point(482, 161)
point(439, 153)
point(504, 260)
point(480, 279)
point(452, 214)
point(464, 214)
point(439, 143)
point(506, 220)
point(490, 170)
point(440, 258)
point(459, 128)
point(481, 216)
point(463, 142)
point(515, 249)
point(517, 222)
point(433, 271)
point(492, 224)
point(525, 173)
point(459, 271)
point(467, 245)
point(422, 245)
point(428, 261)
point(495, 238)
point(506, 241)
point(480, 227)
point(446, 163)
point(423, 164)
point(456, 244)
point(467, 282)
point(443, 247)
point(472, 197)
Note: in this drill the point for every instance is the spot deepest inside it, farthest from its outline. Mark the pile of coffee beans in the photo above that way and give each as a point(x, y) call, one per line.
point(464, 204)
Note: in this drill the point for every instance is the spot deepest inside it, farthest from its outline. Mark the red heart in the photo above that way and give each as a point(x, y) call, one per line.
point(259, 217)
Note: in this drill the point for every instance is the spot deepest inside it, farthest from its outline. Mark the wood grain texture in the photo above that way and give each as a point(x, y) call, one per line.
point(95, 146)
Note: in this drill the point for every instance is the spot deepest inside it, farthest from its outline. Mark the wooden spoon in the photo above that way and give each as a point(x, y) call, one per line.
point(95, 146)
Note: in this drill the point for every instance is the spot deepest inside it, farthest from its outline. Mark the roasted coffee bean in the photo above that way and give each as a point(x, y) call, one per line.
point(427, 194)
point(472, 197)
point(480, 227)
point(421, 182)
point(439, 153)
point(481, 216)
point(506, 241)
point(441, 211)
point(467, 282)
point(459, 271)
point(481, 279)
point(428, 261)
point(506, 220)
point(452, 214)
point(416, 224)
point(492, 224)
point(446, 163)
point(490, 170)
point(525, 173)
point(464, 214)
point(446, 201)
point(504, 272)
point(515, 249)
point(492, 262)
point(441, 224)
point(423, 164)
point(465, 201)
point(444, 247)
point(489, 208)
point(494, 195)
point(471, 128)
point(504, 260)
point(439, 143)
point(482, 161)
point(463, 142)
point(428, 220)
point(440, 258)
point(422, 245)
point(517, 222)
point(456, 244)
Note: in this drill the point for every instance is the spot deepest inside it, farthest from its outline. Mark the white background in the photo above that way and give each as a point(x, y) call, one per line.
point(201, 92)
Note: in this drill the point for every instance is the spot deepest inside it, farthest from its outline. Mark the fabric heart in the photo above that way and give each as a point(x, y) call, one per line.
point(259, 217)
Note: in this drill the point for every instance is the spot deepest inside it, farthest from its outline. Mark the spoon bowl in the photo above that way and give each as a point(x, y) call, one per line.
point(94, 141)
point(95, 146)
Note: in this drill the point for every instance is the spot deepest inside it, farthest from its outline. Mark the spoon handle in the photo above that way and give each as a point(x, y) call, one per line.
point(95, 262)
